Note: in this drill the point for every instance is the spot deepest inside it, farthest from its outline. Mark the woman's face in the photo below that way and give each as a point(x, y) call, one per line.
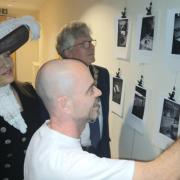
point(6, 69)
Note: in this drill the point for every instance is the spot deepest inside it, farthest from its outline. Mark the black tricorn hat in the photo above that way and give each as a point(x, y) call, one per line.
point(15, 32)
point(15, 39)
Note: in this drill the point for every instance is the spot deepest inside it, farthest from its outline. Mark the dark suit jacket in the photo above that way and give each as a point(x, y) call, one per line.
point(34, 114)
point(103, 84)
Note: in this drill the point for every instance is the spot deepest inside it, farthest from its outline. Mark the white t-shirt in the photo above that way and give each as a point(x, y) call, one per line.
point(55, 156)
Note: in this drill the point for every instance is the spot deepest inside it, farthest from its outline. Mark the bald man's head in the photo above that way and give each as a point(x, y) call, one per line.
point(58, 78)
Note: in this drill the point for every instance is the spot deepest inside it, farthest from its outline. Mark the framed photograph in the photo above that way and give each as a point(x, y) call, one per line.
point(117, 95)
point(146, 33)
point(168, 126)
point(173, 33)
point(122, 38)
point(138, 108)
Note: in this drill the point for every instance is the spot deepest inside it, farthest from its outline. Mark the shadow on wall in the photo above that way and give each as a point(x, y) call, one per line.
point(134, 145)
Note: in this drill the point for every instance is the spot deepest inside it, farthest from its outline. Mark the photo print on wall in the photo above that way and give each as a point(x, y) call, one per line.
point(167, 127)
point(122, 38)
point(170, 119)
point(117, 94)
point(147, 33)
point(117, 90)
point(139, 102)
point(145, 41)
point(173, 34)
point(122, 32)
point(138, 109)
point(176, 34)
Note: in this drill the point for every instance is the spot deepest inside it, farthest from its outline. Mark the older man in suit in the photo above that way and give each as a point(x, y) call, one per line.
point(75, 42)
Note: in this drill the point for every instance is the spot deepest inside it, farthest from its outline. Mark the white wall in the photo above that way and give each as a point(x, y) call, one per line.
point(53, 15)
point(158, 74)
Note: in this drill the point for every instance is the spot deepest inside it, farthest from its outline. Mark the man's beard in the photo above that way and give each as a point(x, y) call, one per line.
point(94, 111)
point(91, 116)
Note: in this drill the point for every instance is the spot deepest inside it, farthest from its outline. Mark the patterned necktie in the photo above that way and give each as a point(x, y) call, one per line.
point(94, 133)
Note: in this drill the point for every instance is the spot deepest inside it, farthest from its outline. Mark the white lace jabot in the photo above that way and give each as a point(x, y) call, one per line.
point(10, 109)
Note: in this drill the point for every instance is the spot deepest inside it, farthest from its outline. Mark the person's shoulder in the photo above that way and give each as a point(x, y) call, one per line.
point(101, 69)
point(25, 88)
point(28, 86)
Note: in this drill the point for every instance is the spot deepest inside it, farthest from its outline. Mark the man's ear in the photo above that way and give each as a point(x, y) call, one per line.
point(64, 104)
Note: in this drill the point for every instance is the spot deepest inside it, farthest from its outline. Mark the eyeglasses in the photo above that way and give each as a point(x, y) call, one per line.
point(86, 44)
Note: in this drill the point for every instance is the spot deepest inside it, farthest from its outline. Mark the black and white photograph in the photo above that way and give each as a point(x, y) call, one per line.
point(122, 32)
point(117, 93)
point(170, 119)
point(117, 90)
point(147, 33)
point(139, 102)
point(176, 35)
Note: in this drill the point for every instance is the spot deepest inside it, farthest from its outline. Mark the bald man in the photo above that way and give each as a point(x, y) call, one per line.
point(71, 97)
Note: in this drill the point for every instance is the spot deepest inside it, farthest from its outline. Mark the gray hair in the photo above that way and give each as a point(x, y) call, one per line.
point(68, 34)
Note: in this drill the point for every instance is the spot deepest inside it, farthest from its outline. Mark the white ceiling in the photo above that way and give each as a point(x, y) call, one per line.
point(23, 4)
